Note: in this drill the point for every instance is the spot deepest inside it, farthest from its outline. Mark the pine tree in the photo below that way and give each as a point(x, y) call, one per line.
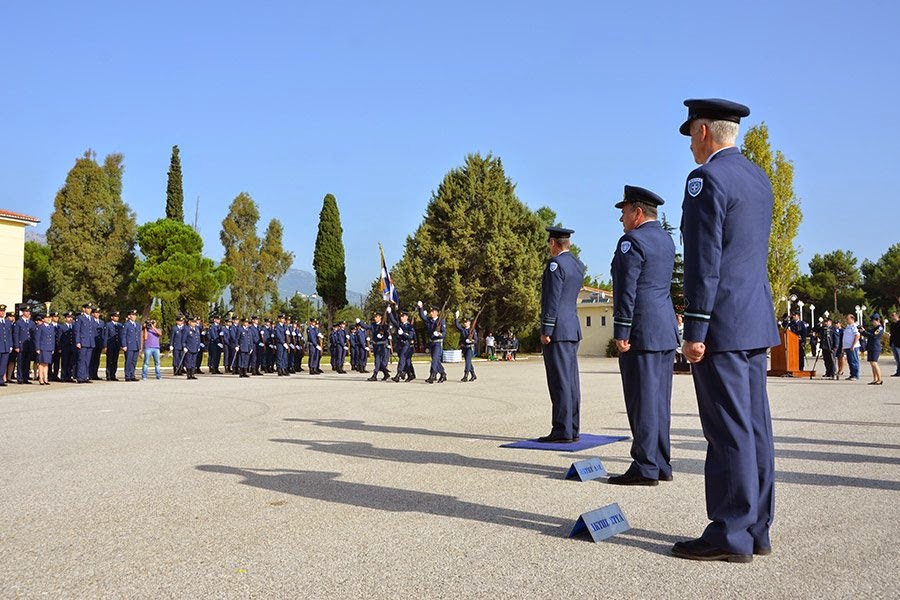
point(883, 278)
point(478, 247)
point(786, 216)
point(328, 258)
point(36, 275)
point(241, 245)
point(91, 235)
point(174, 189)
point(676, 290)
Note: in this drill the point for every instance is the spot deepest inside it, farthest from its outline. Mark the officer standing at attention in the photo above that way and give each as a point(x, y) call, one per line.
point(176, 345)
point(113, 335)
point(561, 334)
point(725, 225)
point(646, 334)
point(23, 340)
point(130, 341)
point(436, 328)
point(281, 347)
point(214, 339)
point(99, 343)
point(85, 336)
point(314, 347)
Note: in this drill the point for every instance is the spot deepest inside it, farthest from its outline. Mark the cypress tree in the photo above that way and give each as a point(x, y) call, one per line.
point(174, 189)
point(328, 258)
point(238, 237)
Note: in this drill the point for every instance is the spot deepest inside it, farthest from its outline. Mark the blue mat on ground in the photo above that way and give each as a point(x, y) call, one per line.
point(588, 440)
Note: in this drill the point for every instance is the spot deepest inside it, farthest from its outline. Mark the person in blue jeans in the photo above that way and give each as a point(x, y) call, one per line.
point(850, 344)
point(151, 348)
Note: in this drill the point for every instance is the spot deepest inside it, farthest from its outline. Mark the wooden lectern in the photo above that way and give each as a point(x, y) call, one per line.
point(785, 358)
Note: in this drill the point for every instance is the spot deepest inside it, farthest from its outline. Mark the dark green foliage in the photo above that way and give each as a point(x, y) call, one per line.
point(882, 278)
point(478, 245)
point(91, 236)
point(677, 289)
point(175, 271)
point(257, 265)
point(36, 284)
point(328, 258)
point(612, 350)
point(174, 189)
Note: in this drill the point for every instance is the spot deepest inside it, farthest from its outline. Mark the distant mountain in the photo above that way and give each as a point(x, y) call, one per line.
point(35, 236)
point(297, 280)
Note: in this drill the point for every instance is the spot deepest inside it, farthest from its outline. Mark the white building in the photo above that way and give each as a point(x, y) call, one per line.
point(595, 311)
point(12, 255)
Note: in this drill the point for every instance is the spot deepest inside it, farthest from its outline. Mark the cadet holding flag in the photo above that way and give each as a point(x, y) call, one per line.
point(561, 334)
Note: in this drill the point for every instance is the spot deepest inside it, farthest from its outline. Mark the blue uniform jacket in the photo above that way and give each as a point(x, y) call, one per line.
point(45, 340)
point(464, 341)
point(642, 274)
point(560, 284)
point(113, 335)
point(192, 341)
point(23, 333)
point(436, 328)
point(176, 337)
point(245, 340)
point(725, 225)
point(6, 336)
point(130, 336)
point(85, 330)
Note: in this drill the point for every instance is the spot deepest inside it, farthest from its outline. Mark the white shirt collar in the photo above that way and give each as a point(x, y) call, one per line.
point(716, 152)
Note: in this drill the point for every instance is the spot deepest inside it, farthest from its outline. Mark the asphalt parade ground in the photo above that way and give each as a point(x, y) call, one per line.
point(336, 487)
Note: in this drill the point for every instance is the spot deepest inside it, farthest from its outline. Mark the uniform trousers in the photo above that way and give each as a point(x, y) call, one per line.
point(190, 359)
point(243, 360)
point(84, 363)
point(23, 361)
point(4, 363)
point(647, 385)
point(468, 352)
point(315, 357)
point(437, 352)
point(69, 358)
point(561, 365)
point(404, 358)
point(340, 357)
point(740, 455)
point(112, 361)
point(281, 358)
point(381, 358)
point(215, 355)
point(131, 358)
point(177, 360)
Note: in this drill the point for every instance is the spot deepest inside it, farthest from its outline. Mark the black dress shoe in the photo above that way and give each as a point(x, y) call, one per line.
point(663, 477)
point(762, 550)
point(631, 478)
point(554, 439)
point(701, 550)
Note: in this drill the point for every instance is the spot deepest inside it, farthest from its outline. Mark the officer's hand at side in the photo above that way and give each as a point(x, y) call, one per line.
point(545, 339)
point(693, 351)
point(623, 345)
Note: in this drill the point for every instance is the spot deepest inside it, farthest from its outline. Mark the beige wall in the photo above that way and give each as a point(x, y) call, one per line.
point(595, 336)
point(12, 262)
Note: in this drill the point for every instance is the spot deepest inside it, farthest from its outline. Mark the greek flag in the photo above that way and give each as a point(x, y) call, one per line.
point(388, 291)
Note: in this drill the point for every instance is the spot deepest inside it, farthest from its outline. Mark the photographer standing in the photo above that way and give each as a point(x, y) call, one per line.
point(151, 347)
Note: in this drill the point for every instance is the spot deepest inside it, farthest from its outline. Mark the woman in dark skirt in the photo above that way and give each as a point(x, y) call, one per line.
point(873, 334)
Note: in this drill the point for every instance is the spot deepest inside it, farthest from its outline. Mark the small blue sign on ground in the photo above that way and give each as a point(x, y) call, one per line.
point(602, 523)
point(587, 469)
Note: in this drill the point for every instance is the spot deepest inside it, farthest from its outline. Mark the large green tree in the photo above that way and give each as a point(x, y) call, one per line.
point(174, 188)
point(786, 216)
point(478, 247)
point(91, 235)
point(36, 279)
point(328, 258)
point(838, 276)
point(175, 271)
point(256, 265)
point(241, 245)
point(676, 290)
point(882, 278)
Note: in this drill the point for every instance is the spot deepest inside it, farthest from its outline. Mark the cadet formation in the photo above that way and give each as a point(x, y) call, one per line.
point(726, 220)
point(85, 348)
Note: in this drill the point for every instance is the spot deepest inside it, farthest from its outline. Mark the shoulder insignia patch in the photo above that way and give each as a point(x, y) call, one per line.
point(625, 247)
point(554, 266)
point(694, 186)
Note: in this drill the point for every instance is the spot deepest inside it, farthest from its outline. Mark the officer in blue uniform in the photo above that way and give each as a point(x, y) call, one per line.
point(99, 344)
point(561, 335)
point(406, 340)
point(23, 342)
point(68, 351)
point(191, 338)
point(379, 332)
point(314, 347)
point(85, 338)
point(436, 328)
point(725, 225)
point(113, 335)
point(214, 341)
point(799, 327)
point(57, 354)
point(363, 341)
point(341, 343)
point(6, 344)
point(130, 342)
point(176, 345)
point(258, 346)
point(468, 341)
point(44, 346)
point(646, 334)
point(281, 347)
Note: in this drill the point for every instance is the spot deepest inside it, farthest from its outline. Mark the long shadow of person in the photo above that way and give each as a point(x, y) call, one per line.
point(324, 486)
point(366, 450)
point(357, 425)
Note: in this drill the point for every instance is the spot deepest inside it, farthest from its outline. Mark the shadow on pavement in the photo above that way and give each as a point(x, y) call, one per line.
point(356, 425)
point(325, 486)
point(366, 450)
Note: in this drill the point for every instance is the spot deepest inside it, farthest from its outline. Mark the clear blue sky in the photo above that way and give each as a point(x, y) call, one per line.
point(375, 102)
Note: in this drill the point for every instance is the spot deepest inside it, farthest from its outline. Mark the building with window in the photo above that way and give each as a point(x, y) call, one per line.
point(595, 311)
point(12, 255)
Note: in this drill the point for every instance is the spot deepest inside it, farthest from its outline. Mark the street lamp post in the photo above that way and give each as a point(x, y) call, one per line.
point(800, 306)
point(862, 313)
point(792, 298)
point(812, 314)
point(856, 308)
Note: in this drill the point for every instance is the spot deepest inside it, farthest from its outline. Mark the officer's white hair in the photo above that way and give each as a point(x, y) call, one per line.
point(722, 132)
